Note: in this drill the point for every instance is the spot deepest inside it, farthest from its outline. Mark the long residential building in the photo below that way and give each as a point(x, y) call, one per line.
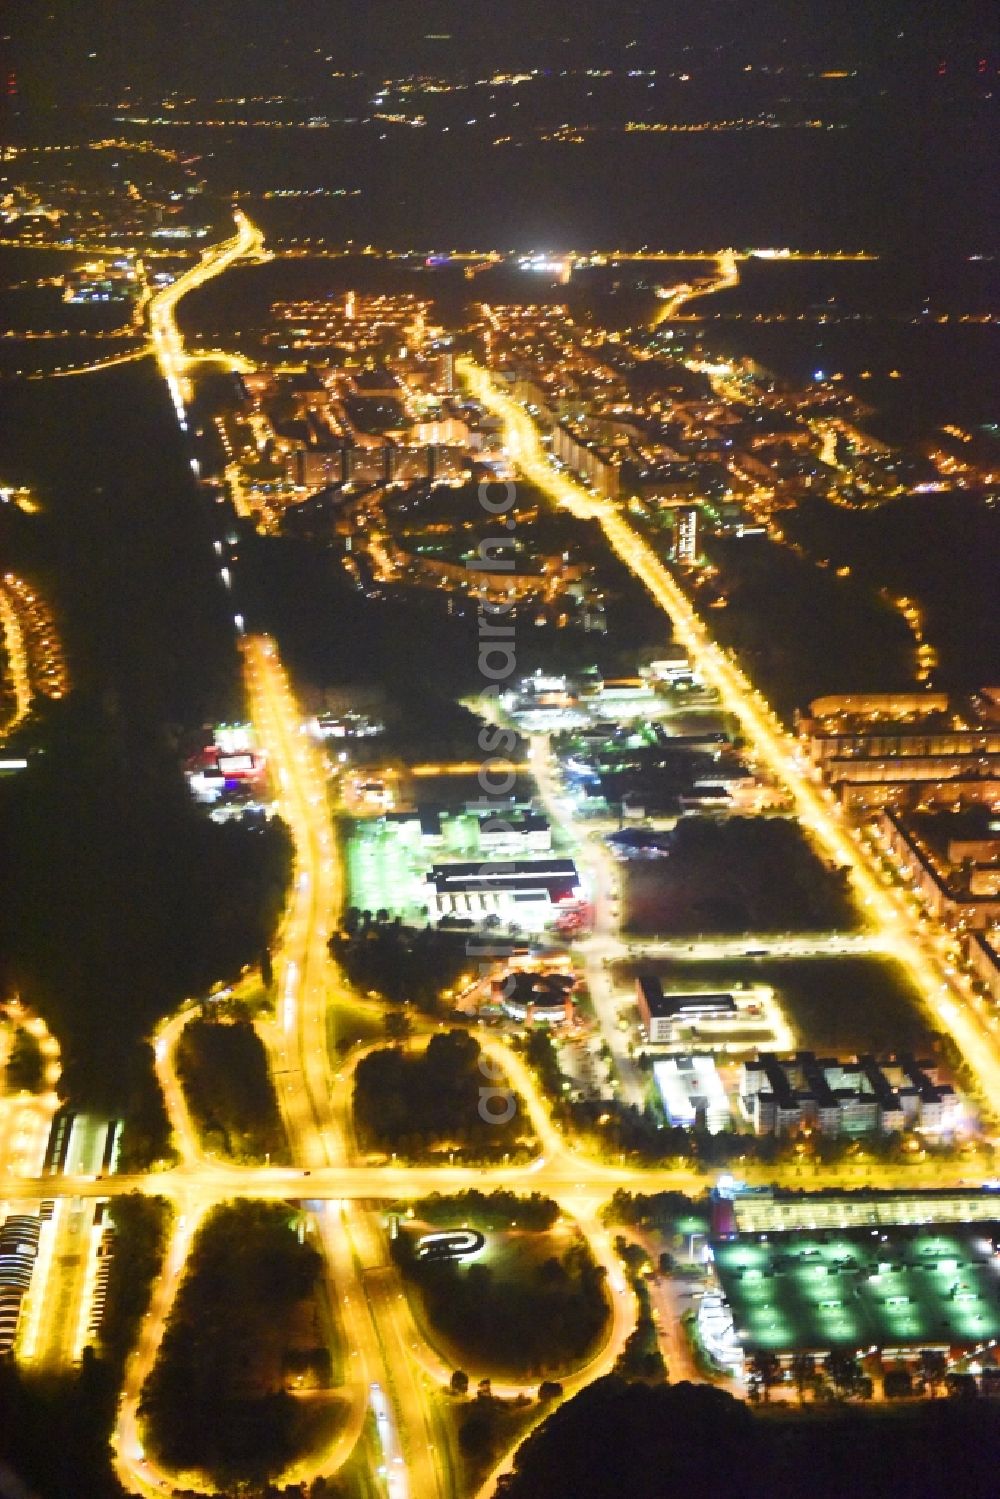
point(862, 1096)
point(877, 739)
point(953, 891)
point(599, 465)
point(983, 954)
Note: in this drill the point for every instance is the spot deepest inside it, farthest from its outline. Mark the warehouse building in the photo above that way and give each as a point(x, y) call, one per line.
point(529, 893)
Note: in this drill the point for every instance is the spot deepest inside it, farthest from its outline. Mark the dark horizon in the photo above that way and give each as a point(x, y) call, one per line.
point(65, 53)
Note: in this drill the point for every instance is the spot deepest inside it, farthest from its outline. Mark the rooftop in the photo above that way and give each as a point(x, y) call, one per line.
point(676, 1004)
point(559, 876)
point(542, 990)
point(863, 1288)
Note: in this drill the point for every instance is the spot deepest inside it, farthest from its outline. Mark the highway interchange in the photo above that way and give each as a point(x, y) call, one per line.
point(389, 1370)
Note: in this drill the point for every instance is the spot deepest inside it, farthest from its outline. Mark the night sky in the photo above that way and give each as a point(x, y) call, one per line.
point(153, 45)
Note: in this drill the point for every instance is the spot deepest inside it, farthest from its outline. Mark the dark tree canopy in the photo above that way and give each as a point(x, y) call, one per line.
point(642, 1441)
point(229, 1090)
point(122, 897)
point(648, 1442)
point(415, 1101)
point(205, 1402)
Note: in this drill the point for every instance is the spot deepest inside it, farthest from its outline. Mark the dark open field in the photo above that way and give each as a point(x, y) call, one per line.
point(746, 874)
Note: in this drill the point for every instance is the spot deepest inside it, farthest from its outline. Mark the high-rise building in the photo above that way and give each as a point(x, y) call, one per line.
point(686, 535)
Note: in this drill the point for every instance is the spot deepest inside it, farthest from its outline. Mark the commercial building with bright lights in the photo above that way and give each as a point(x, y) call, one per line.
point(739, 1209)
point(527, 892)
point(230, 774)
point(893, 1290)
point(693, 1092)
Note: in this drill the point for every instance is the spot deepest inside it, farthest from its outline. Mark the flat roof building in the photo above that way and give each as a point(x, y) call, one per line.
point(895, 1290)
point(514, 832)
point(664, 1015)
point(526, 892)
point(737, 1208)
point(693, 1093)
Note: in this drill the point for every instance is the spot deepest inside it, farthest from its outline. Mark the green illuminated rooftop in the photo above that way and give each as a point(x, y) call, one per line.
point(858, 1289)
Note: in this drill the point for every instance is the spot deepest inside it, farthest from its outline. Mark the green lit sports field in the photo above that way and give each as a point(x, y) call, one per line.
point(858, 1289)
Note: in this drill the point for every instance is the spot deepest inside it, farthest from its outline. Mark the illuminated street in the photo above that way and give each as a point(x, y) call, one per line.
point(596, 862)
point(307, 1090)
point(885, 909)
point(366, 1290)
point(760, 944)
point(727, 274)
point(132, 1465)
point(168, 342)
point(499, 752)
point(571, 1175)
point(297, 1037)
